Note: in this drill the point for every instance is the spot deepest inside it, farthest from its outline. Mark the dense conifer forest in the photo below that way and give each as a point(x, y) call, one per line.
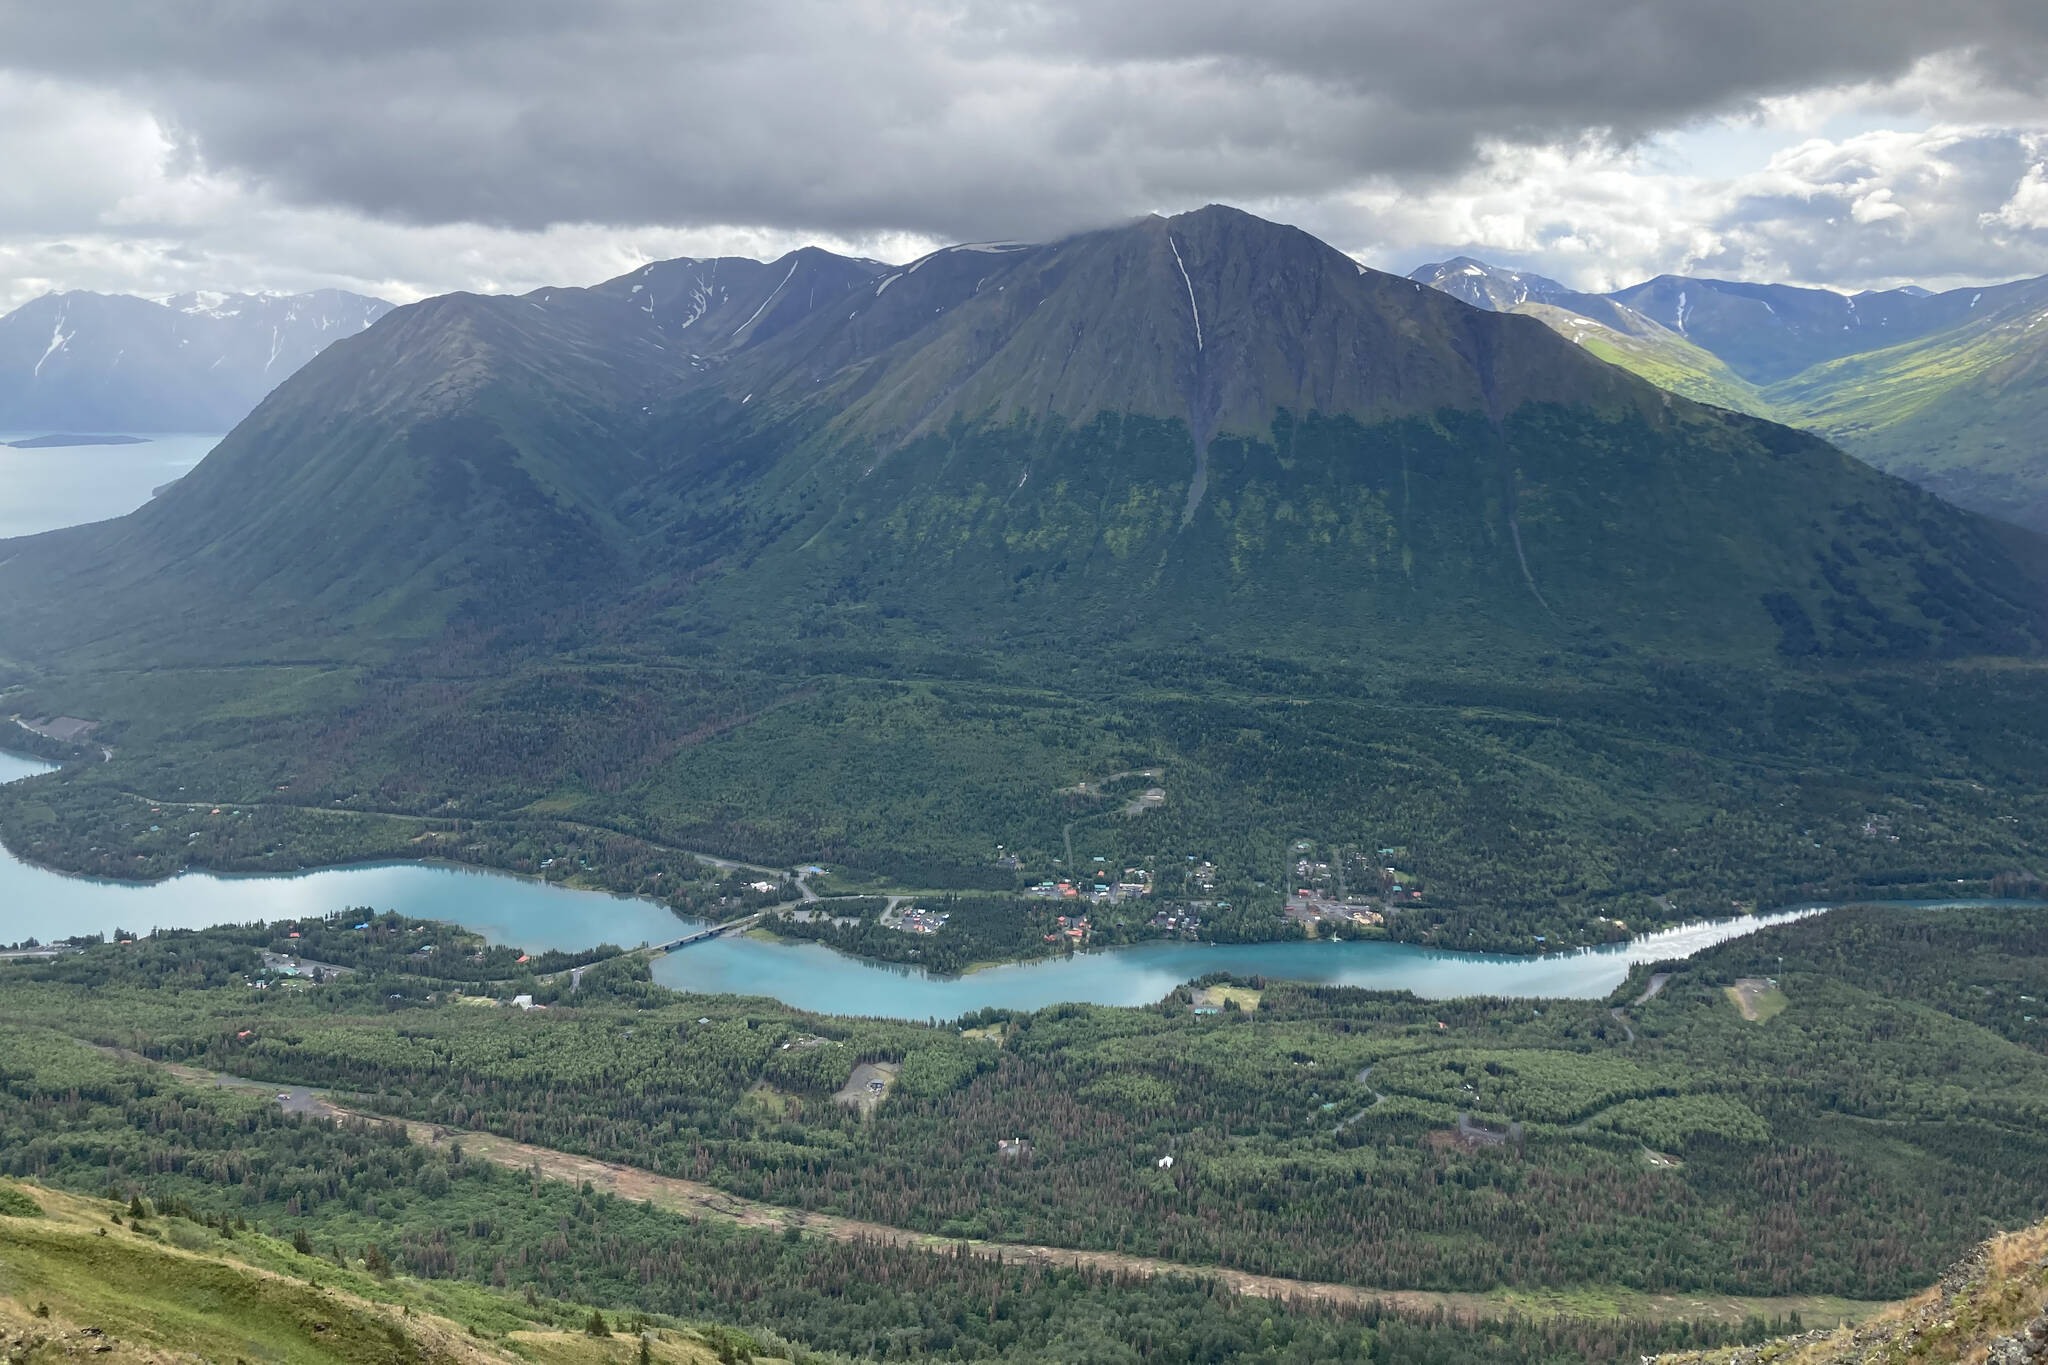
point(1848, 1144)
point(1548, 805)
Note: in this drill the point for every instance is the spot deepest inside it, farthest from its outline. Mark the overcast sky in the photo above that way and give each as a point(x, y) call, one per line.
point(408, 147)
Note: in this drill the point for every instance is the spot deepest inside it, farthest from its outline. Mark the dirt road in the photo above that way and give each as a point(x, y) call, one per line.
point(695, 1199)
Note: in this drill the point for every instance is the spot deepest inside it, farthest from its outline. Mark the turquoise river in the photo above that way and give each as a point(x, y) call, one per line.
point(36, 902)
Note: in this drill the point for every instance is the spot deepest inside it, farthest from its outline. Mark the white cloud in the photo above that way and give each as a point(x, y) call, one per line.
point(2027, 210)
point(1942, 206)
point(1884, 207)
point(99, 195)
point(67, 153)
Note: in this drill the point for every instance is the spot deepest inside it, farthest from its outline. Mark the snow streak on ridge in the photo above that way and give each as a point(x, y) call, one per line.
point(770, 299)
point(1191, 290)
point(57, 343)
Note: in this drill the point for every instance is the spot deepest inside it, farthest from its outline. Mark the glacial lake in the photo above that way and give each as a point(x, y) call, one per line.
point(37, 902)
point(41, 490)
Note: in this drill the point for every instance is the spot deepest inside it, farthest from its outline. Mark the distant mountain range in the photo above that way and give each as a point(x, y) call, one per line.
point(1207, 419)
point(1949, 390)
point(196, 362)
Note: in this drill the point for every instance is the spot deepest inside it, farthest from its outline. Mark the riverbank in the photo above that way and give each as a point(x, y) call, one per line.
point(144, 839)
point(510, 905)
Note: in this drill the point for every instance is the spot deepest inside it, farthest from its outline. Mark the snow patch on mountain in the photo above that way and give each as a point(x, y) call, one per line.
point(58, 341)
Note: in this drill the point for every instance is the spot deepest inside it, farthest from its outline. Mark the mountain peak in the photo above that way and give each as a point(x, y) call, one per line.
point(1210, 418)
point(1226, 213)
point(711, 306)
point(1488, 286)
point(1230, 230)
point(1214, 317)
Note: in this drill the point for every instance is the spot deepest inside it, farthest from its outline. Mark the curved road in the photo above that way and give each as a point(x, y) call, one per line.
point(1377, 1100)
point(1656, 985)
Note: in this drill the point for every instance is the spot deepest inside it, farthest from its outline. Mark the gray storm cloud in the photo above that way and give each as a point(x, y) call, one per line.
point(967, 119)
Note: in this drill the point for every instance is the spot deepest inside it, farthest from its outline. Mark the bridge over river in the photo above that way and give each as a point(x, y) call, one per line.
point(656, 949)
point(711, 931)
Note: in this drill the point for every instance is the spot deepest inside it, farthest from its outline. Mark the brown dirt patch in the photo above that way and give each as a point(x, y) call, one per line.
point(1759, 1000)
point(868, 1086)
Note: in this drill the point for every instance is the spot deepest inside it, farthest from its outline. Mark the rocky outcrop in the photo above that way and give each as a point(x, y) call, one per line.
point(1991, 1307)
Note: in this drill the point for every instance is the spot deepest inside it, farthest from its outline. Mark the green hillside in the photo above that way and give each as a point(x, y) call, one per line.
point(1960, 412)
point(464, 454)
point(1945, 390)
point(1767, 332)
point(1658, 354)
point(1688, 531)
point(467, 463)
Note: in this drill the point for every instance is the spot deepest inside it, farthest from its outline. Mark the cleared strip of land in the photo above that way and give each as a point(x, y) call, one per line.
point(696, 1199)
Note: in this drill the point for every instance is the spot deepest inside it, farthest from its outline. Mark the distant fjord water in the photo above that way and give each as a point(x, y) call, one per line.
point(56, 486)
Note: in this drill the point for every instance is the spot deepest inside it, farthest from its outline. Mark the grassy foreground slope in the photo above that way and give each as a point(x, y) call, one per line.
point(84, 1276)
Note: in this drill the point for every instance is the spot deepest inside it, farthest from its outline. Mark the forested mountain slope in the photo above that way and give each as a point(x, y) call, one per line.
point(1211, 422)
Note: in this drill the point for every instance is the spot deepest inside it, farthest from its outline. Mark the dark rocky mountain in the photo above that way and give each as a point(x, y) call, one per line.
point(709, 306)
point(1205, 425)
point(1216, 319)
point(196, 362)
